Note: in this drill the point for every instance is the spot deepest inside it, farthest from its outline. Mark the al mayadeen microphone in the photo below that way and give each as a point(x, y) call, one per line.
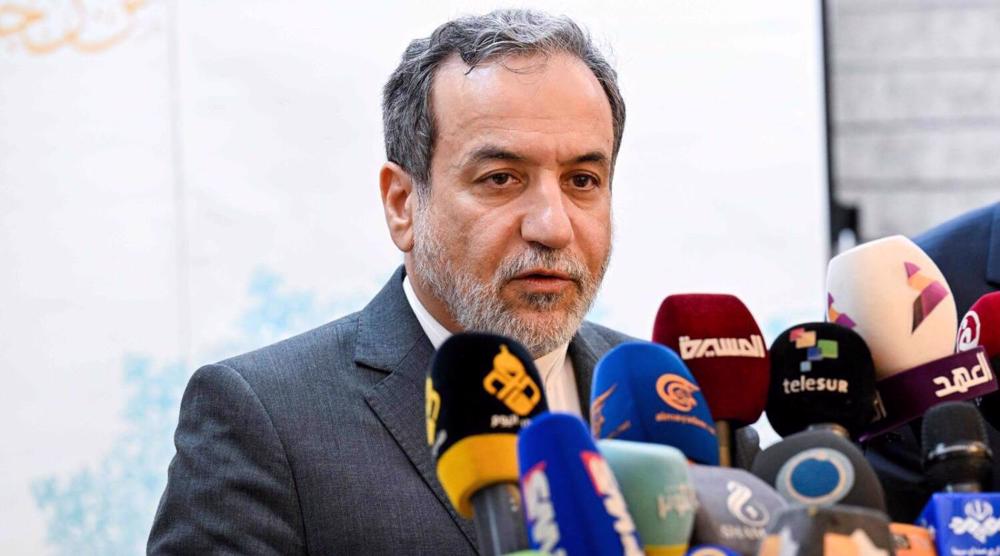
point(481, 391)
point(643, 392)
point(720, 342)
point(958, 462)
point(573, 504)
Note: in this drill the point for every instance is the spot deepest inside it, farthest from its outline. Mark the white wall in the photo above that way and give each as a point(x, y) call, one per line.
point(181, 181)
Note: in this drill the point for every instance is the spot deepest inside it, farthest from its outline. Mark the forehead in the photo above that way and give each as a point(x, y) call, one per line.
point(551, 103)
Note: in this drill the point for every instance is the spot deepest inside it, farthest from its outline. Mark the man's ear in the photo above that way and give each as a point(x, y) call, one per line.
point(399, 202)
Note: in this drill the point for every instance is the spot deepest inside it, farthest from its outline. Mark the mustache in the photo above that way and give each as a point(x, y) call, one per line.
point(540, 257)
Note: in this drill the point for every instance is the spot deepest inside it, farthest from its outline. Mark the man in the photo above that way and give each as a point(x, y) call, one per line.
point(501, 133)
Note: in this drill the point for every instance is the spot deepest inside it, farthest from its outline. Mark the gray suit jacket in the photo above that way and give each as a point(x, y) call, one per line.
point(317, 444)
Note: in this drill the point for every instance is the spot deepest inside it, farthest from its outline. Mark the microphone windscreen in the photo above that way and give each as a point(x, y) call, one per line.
point(980, 327)
point(820, 373)
point(734, 508)
point(828, 531)
point(892, 294)
point(711, 550)
point(720, 342)
point(657, 488)
point(643, 392)
point(481, 390)
point(572, 502)
point(911, 540)
point(746, 447)
point(955, 445)
point(820, 468)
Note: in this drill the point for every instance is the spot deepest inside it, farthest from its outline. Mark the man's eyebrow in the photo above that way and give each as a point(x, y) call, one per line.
point(491, 152)
point(597, 157)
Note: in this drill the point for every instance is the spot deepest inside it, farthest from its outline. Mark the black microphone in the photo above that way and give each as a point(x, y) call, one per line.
point(956, 451)
point(481, 391)
point(957, 463)
point(821, 373)
point(820, 467)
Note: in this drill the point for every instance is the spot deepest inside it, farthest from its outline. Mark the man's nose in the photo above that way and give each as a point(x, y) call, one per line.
point(547, 221)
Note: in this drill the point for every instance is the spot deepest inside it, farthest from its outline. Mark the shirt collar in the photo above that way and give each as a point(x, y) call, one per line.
point(437, 334)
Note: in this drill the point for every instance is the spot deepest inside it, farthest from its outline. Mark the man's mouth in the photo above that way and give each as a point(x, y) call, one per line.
point(543, 281)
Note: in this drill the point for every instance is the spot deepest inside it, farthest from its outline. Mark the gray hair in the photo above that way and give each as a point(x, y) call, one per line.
point(406, 105)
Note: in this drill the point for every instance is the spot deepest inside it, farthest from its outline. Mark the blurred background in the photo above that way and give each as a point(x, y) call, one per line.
point(185, 181)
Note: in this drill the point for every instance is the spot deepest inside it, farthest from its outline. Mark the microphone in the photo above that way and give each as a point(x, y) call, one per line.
point(911, 540)
point(720, 342)
point(711, 550)
point(643, 392)
point(819, 467)
point(746, 444)
point(573, 505)
point(958, 462)
point(657, 488)
point(481, 391)
point(821, 373)
point(980, 328)
point(893, 295)
point(828, 531)
point(734, 508)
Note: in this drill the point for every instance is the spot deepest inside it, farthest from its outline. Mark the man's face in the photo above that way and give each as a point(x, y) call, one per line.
point(515, 234)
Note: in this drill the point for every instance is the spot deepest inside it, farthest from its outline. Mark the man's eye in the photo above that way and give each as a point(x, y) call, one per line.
point(499, 179)
point(584, 181)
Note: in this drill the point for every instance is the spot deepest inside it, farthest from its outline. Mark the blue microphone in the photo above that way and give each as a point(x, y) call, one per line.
point(645, 393)
point(572, 503)
point(957, 461)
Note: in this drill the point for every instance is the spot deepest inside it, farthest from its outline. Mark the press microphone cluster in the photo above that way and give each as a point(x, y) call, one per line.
point(669, 461)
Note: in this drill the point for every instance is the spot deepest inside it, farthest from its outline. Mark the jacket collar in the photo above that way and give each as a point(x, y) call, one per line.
point(391, 340)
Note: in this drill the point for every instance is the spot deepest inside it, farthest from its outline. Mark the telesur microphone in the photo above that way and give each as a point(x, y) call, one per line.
point(828, 531)
point(980, 327)
point(643, 392)
point(573, 505)
point(720, 342)
point(819, 467)
point(481, 390)
point(957, 461)
point(734, 508)
point(892, 294)
point(821, 373)
point(657, 488)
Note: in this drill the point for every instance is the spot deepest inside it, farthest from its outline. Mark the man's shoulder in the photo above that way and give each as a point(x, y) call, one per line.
point(299, 358)
point(601, 338)
point(966, 232)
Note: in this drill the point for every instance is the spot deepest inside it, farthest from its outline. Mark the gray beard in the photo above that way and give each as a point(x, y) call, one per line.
point(477, 306)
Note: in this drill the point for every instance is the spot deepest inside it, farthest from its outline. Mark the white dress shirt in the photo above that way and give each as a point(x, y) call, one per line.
point(555, 367)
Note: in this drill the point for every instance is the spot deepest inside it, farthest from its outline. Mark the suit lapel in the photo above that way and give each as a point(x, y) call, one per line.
point(583, 356)
point(390, 339)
